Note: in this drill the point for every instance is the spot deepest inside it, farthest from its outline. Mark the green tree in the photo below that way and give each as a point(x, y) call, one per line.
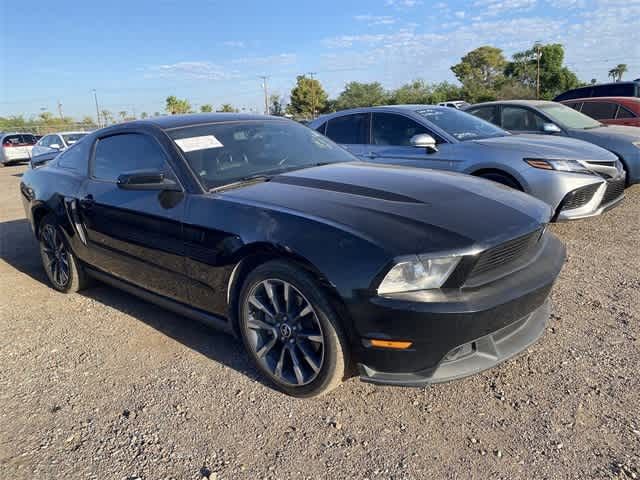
point(618, 71)
point(123, 115)
point(356, 94)
point(276, 105)
point(481, 72)
point(307, 98)
point(227, 107)
point(206, 108)
point(554, 77)
point(107, 117)
point(177, 105)
point(144, 115)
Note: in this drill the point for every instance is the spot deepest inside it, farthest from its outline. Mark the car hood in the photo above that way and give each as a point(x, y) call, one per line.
point(403, 210)
point(610, 132)
point(547, 146)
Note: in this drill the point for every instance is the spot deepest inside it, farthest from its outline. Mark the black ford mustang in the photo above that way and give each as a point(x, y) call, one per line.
point(318, 262)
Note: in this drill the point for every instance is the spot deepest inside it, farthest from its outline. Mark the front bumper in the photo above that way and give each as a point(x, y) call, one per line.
point(608, 195)
point(459, 332)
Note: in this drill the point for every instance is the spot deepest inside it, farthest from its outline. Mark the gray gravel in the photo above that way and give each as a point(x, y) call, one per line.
point(101, 385)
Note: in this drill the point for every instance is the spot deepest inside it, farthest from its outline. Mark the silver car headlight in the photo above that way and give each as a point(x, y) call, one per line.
point(573, 166)
point(417, 272)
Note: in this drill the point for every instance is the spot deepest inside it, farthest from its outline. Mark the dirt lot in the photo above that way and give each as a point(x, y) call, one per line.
point(105, 386)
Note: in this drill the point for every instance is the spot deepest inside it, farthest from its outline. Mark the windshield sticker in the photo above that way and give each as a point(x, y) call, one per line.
point(198, 143)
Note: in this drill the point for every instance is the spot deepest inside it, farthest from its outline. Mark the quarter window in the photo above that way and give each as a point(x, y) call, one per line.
point(118, 154)
point(521, 119)
point(75, 157)
point(349, 129)
point(322, 128)
point(392, 129)
point(600, 110)
point(624, 113)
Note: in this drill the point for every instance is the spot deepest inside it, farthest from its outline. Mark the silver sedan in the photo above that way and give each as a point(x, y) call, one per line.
point(577, 179)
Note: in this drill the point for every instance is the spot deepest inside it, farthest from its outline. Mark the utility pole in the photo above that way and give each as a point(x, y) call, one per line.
point(313, 96)
point(60, 110)
point(538, 55)
point(95, 97)
point(266, 94)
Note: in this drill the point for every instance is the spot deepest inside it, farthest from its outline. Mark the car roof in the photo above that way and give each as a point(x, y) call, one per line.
point(176, 121)
point(409, 108)
point(528, 103)
point(610, 99)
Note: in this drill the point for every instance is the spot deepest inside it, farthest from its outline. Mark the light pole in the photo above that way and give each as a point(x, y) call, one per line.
point(95, 97)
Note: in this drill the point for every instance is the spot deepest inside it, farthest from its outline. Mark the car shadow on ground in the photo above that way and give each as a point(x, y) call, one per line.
point(19, 249)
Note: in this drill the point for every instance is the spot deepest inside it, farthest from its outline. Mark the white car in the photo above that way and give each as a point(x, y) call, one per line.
point(15, 147)
point(459, 104)
point(56, 142)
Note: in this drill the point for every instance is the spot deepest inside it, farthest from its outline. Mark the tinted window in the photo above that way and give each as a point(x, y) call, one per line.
point(461, 125)
point(521, 119)
point(224, 153)
point(490, 114)
point(71, 138)
point(576, 93)
point(600, 110)
point(350, 129)
point(574, 105)
point(29, 139)
point(322, 128)
point(75, 157)
point(625, 113)
point(392, 129)
point(123, 153)
point(18, 140)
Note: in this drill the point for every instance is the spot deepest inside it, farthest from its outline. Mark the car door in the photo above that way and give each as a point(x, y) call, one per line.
point(521, 120)
point(391, 135)
point(135, 235)
point(351, 131)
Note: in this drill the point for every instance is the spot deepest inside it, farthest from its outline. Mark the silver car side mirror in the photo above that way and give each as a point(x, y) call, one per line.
point(424, 140)
point(55, 146)
point(551, 128)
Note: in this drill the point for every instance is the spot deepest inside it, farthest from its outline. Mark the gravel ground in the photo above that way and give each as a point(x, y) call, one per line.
point(103, 385)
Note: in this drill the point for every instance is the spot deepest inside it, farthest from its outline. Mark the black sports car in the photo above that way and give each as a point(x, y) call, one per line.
point(318, 262)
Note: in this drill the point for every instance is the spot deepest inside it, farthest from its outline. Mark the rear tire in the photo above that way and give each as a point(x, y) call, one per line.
point(290, 330)
point(63, 270)
point(502, 178)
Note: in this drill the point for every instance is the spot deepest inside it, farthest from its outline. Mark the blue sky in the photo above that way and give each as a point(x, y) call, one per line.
point(136, 52)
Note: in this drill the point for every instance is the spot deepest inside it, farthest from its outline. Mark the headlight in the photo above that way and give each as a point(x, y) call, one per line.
point(561, 165)
point(418, 272)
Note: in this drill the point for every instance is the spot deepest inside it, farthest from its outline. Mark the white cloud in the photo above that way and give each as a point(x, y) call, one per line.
point(193, 70)
point(494, 8)
point(279, 59)
point(234, 44)
point(403, 3)
point(373, 20)
point(459, 14)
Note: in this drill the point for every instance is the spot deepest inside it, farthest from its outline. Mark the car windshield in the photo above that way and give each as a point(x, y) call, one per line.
point(461, 125)
point(568, 117)
point(71, 138)
point(230, 152)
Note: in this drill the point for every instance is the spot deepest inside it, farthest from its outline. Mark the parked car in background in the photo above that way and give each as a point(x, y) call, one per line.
point(319, 262)
point(609, 110)
point(575, 178)
point(42, 159)
point(454, 104)
point(15, 147)
point(57, 142)
point(556, 119)
point(615, 89)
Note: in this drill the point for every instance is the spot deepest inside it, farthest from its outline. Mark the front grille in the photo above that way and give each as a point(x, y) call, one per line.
point(579, 197)
point(615, 188)
point(506, 253)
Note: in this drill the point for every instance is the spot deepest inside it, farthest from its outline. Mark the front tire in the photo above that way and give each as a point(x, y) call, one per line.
point(63, 270)
point(290, 330)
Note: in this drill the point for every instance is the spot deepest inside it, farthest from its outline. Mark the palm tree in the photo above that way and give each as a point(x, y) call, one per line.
point(616, 73)
point(107, 117)
point(123, 114)
point(144, 115)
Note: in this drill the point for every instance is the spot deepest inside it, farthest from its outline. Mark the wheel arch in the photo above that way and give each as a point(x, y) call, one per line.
point(517, 179)
point(253, 255)
point(38, 213)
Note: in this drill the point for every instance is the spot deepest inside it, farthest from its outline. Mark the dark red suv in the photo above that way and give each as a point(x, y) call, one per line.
point(611, 110)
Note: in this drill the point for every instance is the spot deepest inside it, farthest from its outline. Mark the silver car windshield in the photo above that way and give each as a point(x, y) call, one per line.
point(568, 117)
point(225, 153)
point(461, 125)
point(71, 138)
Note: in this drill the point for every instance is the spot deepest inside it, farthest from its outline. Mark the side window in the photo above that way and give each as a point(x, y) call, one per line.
point(600, 110)
point(623, 112)
point(392, 129)
point(322, 128)
point(122, 153)
point(46, 141)
point(75, 157)
point(349, 129)
point(574, 105)
point(490, 114)
point(521, 119)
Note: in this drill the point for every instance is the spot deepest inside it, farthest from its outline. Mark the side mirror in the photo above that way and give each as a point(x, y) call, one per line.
point(147, 180)
point(55, 146)
point(551, 128)
point(424, 140)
